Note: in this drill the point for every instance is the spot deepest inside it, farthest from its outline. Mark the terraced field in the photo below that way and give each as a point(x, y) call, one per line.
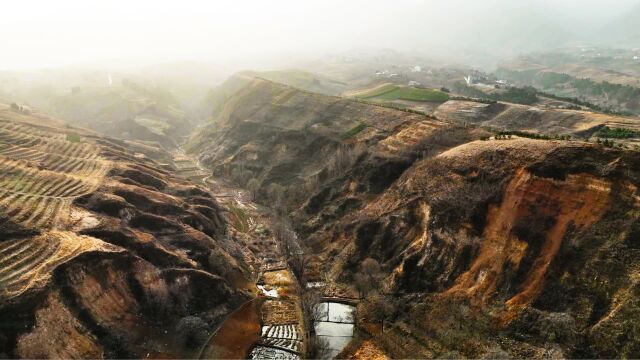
point(624, 123)
point(42, 170)
point(26, 262)
point(530, 118)
point(402, 141)
point(187, 168)
point(286, 337)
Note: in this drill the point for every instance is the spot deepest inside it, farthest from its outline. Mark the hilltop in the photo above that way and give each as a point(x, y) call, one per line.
point(606, 77)
point(216, 98)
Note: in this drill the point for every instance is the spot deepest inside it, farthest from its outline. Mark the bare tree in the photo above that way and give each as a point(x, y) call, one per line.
point(369, 277)
point(298, 265)
point(318, 348)
point(191, 331)
point(253, 185)
point(218, 263)
point(276, 195)
point(311, 311)
point(379, 308)
point(246, 176)
point(311, 184)
point(289, 246)
point(362, 284)
point(236, 174)
point(343, 158)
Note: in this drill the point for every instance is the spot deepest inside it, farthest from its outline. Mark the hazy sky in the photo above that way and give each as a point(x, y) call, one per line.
point(62, 32)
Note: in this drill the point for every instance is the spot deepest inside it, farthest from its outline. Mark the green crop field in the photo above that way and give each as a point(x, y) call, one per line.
point(392, 92)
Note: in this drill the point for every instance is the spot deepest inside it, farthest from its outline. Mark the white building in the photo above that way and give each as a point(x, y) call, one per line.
point(416, 69)
point(636, 57)
point(414, 83)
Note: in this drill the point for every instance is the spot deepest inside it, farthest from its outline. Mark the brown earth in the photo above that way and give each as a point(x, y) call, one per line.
point(107, 245)
point(519, 247)
point(367, 349)
point(238, 335)
point(529, 118)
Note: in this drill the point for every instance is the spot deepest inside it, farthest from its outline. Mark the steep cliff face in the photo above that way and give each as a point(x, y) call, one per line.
point(535, 237)
point(104, 252)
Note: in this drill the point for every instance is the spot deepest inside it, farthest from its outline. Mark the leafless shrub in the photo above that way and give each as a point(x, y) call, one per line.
point(253, 185)
point(343, 158)
point(379, 308)
point(369, 277)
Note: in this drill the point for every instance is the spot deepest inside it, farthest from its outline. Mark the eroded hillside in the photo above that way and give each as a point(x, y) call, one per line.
point(104, 252)
point(525, 246)
point(513, 247)
point(286, 139)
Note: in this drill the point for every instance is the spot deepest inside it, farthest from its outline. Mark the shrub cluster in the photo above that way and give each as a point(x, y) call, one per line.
point(617, 133)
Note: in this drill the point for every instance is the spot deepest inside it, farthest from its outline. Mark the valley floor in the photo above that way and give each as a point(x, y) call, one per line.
point(269, 325)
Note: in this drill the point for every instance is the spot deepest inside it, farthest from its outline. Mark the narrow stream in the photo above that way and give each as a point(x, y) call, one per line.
point(335, 323)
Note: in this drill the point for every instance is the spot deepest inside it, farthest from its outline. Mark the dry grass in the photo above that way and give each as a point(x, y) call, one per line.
point(27, 263)
point(42, 172)
point(70, 340)
point(368, 350)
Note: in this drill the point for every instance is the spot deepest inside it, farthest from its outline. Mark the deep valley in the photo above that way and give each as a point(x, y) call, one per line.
point(295, 190)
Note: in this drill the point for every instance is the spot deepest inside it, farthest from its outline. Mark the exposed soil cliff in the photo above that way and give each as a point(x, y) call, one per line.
point(524, 237)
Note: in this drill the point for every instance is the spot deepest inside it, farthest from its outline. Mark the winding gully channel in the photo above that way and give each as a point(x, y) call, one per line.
point(270, 326)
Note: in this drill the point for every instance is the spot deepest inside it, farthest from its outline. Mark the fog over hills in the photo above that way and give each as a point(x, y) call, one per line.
point(239, 33)
point(320, 179)
point(623, 30)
